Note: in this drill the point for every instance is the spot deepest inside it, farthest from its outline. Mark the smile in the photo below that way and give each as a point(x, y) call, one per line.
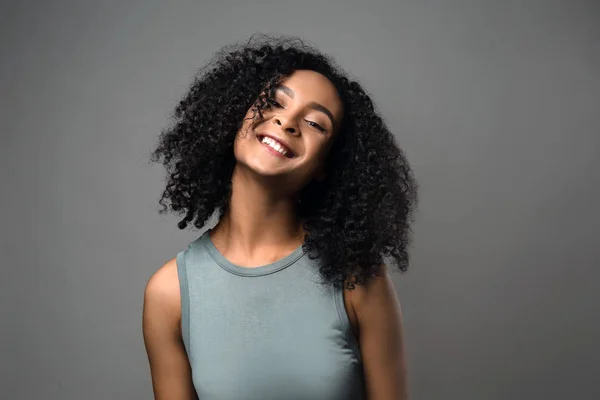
point(275, 146)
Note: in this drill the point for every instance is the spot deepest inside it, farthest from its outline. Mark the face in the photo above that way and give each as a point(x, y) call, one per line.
point(294, 136)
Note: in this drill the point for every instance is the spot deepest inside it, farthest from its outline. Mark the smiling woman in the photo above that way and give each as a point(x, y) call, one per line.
point(297, 124)
point(287, 296)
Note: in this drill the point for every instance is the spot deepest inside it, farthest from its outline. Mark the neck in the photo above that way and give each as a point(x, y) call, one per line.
point(259, 217)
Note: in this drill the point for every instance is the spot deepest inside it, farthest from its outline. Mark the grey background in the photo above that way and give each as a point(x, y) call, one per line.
point(495, 102)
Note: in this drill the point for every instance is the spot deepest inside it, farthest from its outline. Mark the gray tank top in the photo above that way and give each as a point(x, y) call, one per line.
point(271, 332)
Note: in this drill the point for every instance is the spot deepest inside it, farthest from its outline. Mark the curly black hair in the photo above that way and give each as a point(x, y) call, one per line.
point(355, 220)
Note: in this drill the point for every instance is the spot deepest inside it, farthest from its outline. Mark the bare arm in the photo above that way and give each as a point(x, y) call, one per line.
point(380, 337)
point(169, 366)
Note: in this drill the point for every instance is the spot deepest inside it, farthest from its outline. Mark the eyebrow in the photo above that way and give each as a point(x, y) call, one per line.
point(312, 104)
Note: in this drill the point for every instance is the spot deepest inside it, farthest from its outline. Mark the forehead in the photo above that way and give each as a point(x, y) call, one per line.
point(310, 86)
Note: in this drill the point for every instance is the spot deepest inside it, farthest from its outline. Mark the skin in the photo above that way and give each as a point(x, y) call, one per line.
point(261, 226)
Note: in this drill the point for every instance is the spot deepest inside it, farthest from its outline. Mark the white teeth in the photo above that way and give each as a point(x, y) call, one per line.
point(274, 145)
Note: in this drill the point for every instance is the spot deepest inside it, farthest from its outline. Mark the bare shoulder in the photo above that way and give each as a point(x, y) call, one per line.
point(381, 336)
point(162, 295)
point(165, 278)
point(169, 365)
point(376, 293)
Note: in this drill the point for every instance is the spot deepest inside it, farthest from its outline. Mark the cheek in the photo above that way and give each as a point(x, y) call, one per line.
point(240, 143)
point(317, 157)
point(319, 151)
point(236, 144)
point(244, 134)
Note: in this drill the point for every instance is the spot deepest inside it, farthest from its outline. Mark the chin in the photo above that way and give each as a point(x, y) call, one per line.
point(271, 172)
point(258, 168)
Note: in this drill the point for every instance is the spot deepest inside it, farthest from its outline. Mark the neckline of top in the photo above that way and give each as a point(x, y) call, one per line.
point(261, 270)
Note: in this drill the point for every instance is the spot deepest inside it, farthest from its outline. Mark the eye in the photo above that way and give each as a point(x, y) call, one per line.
point(315, 125)
point(273, 102)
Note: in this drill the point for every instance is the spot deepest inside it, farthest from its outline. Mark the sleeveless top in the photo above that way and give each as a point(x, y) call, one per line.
point(275, 331)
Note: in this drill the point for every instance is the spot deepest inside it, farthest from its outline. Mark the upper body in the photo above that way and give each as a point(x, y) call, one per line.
point(373, 311)
point(309, 163)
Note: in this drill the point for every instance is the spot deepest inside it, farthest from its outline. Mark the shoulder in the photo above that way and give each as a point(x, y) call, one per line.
point(169, 365)
point(381, 336)
point(162, 295)
point(374, 294)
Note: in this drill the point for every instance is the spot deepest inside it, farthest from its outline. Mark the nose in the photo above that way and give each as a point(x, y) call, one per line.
point(286, 124)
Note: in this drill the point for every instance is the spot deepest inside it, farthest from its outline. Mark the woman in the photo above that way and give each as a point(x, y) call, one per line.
point(287, 296)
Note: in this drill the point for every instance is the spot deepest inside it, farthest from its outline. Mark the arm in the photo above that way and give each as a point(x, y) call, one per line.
point(380, 337)
point(169, 366)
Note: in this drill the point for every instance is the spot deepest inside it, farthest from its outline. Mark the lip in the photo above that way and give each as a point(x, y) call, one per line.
point(290, 153)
